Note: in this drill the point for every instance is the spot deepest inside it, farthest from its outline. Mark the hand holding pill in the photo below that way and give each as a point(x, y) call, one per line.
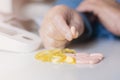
point(60, 26)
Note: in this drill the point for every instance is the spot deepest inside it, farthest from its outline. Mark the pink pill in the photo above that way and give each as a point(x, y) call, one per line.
point(82, 55)
point(71, 55)
point(97, 55)
point(93, 60)
point(82, 60)
point(85, 58)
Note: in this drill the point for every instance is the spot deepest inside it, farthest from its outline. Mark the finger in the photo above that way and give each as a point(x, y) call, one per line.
point(74, 32)
point(62, 26)
point(77, 25)
point(50, 43)
point(51, 31)
point(88, 6)
point(46, 40)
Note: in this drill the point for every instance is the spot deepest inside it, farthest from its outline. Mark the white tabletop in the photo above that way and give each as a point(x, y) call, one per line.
point(23, 66)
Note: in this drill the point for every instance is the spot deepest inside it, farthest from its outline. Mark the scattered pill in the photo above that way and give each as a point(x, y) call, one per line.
point(68, 56)
point(97, 55)
point(93, 60)
point(70, 60)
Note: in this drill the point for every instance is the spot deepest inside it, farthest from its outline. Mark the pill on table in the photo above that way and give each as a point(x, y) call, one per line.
point(97, 55)
point(70, 60)
point(93, 60)
point(85, 58)
point(82, 55)
point(82, 58)
point(71, 55)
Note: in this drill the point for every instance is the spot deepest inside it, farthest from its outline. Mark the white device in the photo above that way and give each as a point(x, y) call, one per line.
point(17, 40)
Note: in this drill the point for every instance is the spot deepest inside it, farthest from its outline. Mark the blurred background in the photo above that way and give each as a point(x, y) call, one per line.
point(34, 11)
point(32, 8)
point(25, 14)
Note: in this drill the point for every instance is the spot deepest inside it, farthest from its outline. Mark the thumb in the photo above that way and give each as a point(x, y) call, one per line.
point(77, 25)
point(74, 32)
point(62, 26)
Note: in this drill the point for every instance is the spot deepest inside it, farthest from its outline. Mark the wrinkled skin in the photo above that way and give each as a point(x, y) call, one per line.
point(108, 12)
point(56, 31)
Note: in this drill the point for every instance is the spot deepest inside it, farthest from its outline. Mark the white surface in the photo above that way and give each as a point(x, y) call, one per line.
point(6, 6)
point(36, 10)
point(14, 66)
point(17, 40)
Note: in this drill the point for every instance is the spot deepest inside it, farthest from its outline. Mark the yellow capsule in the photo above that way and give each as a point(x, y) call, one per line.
point(70, 60)
point(56, 56)
point(58, 59)
point(43, 57)
point(69, 51)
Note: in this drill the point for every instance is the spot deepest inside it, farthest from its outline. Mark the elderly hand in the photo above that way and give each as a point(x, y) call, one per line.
point(108, 12)
point(60, 26)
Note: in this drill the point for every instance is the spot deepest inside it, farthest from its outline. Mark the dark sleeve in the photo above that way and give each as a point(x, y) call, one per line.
point(88, 28)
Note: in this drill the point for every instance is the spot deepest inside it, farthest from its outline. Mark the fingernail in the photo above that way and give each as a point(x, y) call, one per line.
point(76, 35)
point(68, 37)
point(73, 31)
